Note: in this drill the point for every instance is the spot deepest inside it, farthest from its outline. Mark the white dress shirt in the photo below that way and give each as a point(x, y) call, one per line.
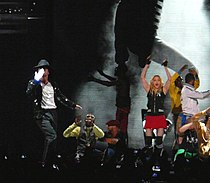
point(48, 101)
point(189, 99)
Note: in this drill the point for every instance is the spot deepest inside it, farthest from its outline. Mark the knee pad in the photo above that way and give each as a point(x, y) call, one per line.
point(148, 141)
point(159, 142)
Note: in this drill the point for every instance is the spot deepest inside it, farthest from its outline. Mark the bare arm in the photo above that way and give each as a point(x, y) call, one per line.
point(143, 78)
point(193, 121)
point(186, 127)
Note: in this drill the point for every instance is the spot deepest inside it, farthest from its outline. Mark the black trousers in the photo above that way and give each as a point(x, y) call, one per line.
point(48, 125)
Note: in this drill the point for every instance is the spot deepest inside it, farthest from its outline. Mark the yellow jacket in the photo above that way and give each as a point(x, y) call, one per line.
point(175, 95)
point(74, 131)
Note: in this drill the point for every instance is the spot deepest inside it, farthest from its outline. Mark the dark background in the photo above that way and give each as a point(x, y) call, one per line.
point(71, 36)
point(63, 32)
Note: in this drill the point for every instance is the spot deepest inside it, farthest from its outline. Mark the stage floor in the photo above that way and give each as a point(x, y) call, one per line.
point(132, 169)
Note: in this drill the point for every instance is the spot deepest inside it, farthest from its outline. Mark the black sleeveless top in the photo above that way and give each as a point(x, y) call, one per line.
point(155, 103)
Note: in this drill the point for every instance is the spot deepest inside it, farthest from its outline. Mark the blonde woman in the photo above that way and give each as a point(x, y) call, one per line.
point(156, 92)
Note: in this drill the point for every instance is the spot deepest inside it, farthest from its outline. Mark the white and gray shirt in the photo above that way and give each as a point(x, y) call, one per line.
point(48, 100)
point(189, 99)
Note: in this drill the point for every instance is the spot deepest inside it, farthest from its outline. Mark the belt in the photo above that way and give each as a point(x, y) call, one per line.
point(159, 110)
point(48, 110)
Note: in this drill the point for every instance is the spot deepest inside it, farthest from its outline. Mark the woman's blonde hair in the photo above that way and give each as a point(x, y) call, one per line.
point(152, 88)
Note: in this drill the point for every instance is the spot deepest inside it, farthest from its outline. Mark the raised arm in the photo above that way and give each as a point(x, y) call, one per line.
point(72, 131)
point(32, 84)
point(144, 82)
point(168, 82)
point(98, 131)
point(176, 75)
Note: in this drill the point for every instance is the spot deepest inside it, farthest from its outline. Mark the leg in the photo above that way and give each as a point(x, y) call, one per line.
point(48, 125)
point(122, 117)
point(159, 142)
point(148, 142)
point(179, 135)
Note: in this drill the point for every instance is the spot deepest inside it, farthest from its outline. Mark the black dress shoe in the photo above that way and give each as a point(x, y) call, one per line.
point(55, 167)
point(41, 164)
point(77, 160)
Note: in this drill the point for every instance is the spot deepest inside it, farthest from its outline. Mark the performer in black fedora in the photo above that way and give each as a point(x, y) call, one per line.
point(46, 95)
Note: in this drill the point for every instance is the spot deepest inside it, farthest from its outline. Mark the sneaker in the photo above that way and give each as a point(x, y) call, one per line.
point(138, 162)
point(156, 168)
point(54, 166)
point(120, 162)
point(43, 164)
point(77, 159)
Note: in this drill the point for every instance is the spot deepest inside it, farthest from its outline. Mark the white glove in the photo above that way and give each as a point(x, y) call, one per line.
point(38, 75)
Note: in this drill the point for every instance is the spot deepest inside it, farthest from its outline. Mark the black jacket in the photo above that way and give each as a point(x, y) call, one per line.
point(34, 92)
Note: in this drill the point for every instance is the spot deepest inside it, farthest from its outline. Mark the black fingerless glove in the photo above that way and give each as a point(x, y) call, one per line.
point(165, 63)
point(148, 61)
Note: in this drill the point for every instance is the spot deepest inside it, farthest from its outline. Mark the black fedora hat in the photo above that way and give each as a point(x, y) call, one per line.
point(43, 64)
